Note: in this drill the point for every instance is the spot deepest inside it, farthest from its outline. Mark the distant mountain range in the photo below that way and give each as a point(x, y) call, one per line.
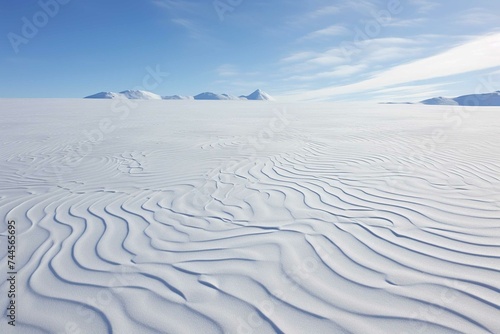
point(483, 100)
point(489, 99)
point(145, 95)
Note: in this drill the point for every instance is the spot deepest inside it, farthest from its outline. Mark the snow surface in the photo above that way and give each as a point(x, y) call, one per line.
point(202, 217)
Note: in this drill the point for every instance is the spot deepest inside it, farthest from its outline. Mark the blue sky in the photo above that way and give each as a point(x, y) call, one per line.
point(346, 50)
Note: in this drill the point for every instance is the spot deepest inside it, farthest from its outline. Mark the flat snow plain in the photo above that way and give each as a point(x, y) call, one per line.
point(250, 217)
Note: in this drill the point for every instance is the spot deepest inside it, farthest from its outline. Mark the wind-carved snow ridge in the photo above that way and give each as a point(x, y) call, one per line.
point(145, 95)
point(251, 218)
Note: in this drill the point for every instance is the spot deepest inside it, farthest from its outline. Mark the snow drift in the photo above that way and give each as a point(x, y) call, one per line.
point(195, 217)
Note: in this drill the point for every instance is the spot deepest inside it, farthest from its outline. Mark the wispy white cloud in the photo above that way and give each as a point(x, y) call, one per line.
point(333, 30)
point(425, 88)
point(323, 11)
point(326, 60)
point(478, 16)
point(238, 86)
point(341, 7)
point(298, 56)
point(395, 22)
point(410, 93)
point(391, 53)
point(190, 26)
point(189, 15)
point(425, 6)
point(308, 16)
point(227, 70)
point(367, 53)
point(371, 56)
point(361, 6)
point(230, 75)
point(178, 5)
point(477, 54)
point(338, 72)
point(390, 41)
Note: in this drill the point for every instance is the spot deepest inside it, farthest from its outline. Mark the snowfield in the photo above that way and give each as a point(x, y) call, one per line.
point(239, 217)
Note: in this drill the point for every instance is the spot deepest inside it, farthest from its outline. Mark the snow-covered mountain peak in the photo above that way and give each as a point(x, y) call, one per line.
point(487, 99)
point(145, 95)
point(140, 95)
point(259, 95)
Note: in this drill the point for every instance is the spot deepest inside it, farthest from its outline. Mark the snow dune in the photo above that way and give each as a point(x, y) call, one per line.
point(210, 217)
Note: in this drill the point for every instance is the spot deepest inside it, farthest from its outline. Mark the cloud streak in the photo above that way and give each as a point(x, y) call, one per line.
point(334, 30)
point(477, 54)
